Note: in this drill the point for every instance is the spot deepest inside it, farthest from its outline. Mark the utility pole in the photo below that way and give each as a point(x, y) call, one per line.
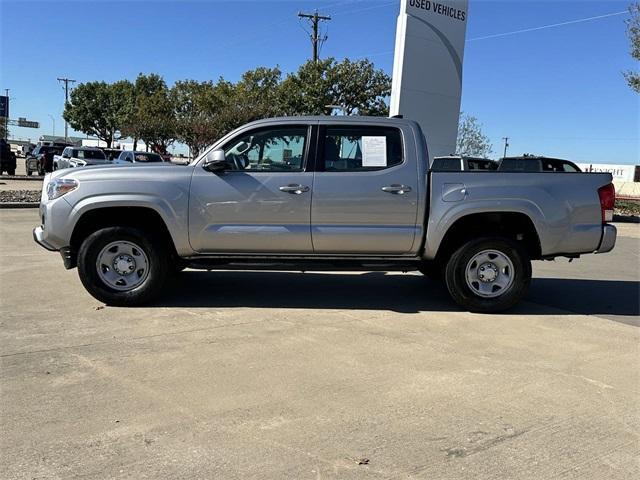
point(66, 82)
point(506, 145)
point(6, 120)
point(315, 19)
point(53, 121)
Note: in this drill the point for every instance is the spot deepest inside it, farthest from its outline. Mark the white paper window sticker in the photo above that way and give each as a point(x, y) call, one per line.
point(374, 151)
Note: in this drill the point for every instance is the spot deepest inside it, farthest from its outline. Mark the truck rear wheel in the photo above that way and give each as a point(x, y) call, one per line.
point(488, 275)
point(123, 266)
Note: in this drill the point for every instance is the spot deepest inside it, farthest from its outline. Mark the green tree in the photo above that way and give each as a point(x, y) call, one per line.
point(355, 86)
point(360, 89)
point(310, 89)
point(197, 113)
point(97, 108)
point(471, 141)
point(151, 114)
point(256, 95)
point(633, 32)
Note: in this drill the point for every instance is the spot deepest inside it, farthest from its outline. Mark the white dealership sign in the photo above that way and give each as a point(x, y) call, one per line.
point(620, 173)
point(427, 69)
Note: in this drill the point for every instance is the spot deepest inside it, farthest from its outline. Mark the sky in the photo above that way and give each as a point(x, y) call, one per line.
point(554, 91)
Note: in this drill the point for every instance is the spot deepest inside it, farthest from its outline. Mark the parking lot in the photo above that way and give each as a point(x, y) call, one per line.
point(318, 375)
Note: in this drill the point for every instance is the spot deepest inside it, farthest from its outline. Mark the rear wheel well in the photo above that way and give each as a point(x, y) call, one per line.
point(515, 226)
point(139, 217)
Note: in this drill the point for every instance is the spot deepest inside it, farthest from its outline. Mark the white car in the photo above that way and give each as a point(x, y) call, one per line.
point(79, 157)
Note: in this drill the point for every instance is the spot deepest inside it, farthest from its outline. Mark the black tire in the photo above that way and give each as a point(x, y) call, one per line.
point(29, 172)
point(465, 296)
point(158, 266)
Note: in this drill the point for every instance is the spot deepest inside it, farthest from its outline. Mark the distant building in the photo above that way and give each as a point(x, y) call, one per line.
point(50, 139)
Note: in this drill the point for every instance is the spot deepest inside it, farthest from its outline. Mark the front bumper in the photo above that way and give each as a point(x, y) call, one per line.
point(53, 213)
point(608, 241)
point(38, 236)
point(69, 258)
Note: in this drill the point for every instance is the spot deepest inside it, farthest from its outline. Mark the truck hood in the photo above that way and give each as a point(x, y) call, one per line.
point(133, 172)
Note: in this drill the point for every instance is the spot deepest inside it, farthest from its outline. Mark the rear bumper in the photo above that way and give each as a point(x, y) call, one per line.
point(608, 241)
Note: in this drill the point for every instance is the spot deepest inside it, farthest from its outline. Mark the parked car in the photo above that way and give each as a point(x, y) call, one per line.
point(79, 157)
point(7, 158)
point(27, 149)
point(129, 157)
point(111, 153)
point(40, 160)
point(456, 163)
point(314, 193)
point(532, 163)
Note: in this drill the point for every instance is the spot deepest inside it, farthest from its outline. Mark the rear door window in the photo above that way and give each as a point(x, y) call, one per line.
point(360, 148)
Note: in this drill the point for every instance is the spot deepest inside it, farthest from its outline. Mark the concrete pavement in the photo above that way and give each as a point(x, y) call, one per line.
point(289, 375)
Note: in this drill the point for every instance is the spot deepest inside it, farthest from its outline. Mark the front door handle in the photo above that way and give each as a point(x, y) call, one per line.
point(294, 189)
point(397, 189)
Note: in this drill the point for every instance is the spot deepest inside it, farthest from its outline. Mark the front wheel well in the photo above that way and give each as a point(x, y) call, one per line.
point(515, 226)
point(139, 217)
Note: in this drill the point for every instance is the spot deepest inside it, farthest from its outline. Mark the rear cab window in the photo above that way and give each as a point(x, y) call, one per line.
point(444, 164)
point(89, 154)
point(359, 148)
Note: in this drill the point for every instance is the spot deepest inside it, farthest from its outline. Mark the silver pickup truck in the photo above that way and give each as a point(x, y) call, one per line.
point(321, 193)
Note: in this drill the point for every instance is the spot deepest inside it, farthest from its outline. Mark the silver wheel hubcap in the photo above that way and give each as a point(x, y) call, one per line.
point(122, 265)
point(489, 273)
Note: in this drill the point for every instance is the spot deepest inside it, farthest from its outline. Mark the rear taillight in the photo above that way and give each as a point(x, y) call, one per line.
point(607, 196)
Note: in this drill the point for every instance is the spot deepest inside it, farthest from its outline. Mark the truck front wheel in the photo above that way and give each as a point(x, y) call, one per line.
point(123, 266)
point(488, 275)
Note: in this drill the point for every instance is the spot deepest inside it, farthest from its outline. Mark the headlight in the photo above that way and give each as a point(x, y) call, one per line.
point(60, 187)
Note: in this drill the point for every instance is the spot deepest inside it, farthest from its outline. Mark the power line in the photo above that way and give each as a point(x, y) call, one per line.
point(543, 27)
point(525, 30)
point(315, 19)
point(66, 82)
point(370, 7)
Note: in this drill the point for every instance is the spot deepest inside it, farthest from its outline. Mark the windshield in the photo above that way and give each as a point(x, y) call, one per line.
point(90, 154)
point(148, 157)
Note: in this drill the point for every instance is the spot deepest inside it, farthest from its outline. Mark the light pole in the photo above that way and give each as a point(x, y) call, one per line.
point(53, 121)
point(6, 120)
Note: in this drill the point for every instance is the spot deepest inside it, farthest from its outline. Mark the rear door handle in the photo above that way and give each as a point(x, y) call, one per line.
point(294, 189)
point(397, 189)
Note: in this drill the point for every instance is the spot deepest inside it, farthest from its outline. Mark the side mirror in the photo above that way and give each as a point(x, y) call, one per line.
point(215, 162)
point(64, 155)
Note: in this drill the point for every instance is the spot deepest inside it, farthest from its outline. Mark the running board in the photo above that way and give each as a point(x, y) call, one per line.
point(305, 264)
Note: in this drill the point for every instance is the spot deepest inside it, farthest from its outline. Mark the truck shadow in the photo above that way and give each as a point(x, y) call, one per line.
point(589, 297)
point(378, 291)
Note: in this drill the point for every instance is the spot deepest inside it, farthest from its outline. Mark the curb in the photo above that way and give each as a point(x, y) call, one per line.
point(626, 219)
point(19, 205)
point(32, 178)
